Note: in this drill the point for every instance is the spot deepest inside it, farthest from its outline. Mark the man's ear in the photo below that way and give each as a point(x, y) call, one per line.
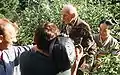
point(73, 15)
point(1, 38)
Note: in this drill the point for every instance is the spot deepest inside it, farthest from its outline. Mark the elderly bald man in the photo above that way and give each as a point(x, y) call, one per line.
point(80, 32)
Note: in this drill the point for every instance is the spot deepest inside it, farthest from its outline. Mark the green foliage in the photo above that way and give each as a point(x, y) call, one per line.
point(1, 16)
point(8, 8)
point(31, 13)
point(36, 13)
point(110, 65)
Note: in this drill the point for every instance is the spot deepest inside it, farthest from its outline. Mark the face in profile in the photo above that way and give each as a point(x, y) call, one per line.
point(10, 36)
point(50, 34)
point(104, 30)
point(66, 17)
point(51, 31)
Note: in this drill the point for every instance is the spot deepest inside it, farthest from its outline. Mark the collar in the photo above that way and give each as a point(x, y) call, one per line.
point(1, 55)
point(73, 22)
point(39, 50)
point(104, 43)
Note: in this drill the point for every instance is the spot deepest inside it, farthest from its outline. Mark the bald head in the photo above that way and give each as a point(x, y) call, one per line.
point(69, 9)
point(7, 33)
point(69, 13)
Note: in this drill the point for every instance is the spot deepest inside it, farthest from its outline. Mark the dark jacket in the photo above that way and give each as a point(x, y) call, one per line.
point(36, 63)
point(63, 54)
point(80, 32)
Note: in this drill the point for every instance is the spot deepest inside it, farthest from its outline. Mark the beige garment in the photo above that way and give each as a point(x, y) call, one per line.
point(109, 45)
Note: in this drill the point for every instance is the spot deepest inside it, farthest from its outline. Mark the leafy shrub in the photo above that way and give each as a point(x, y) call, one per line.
point(110, 65)
point(31, 13)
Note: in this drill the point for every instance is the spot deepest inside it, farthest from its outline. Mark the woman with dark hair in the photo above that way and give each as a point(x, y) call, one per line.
point(37, 61)
point(52, 55)
point(104, 40)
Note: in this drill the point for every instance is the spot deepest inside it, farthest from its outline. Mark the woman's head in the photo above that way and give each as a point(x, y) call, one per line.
point(43, 34)
point(51, 30)
point(105, 27)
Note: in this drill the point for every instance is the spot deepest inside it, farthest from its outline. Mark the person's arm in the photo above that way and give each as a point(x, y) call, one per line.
point(20, 49)
point(79, 54)
point(89, 46)
point(116, 44)
point(115, 47)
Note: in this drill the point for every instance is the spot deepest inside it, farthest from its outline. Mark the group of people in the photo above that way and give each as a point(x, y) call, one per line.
point(69, 51)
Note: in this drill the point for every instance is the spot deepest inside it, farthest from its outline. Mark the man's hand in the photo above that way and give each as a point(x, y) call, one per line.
point(79, 53)
point(84, 66)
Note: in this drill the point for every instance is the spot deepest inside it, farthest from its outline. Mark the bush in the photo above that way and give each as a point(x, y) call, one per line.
point(110, 65)
point(31, 13)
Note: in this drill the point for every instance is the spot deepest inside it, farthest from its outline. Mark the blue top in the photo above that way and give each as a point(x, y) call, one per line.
point(11, 60)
